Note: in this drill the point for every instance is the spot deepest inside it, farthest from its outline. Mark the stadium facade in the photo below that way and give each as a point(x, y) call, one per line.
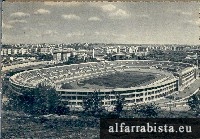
point(174, 76)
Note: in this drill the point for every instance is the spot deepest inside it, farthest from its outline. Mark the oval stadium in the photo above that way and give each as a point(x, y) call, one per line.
point(138, 81)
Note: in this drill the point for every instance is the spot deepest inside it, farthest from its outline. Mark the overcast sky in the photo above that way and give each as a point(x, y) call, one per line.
point(102, 22)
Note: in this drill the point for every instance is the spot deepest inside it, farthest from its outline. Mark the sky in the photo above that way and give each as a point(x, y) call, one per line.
point(101, 22)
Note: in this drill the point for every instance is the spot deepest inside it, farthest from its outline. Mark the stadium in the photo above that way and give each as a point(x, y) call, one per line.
point(165, 78)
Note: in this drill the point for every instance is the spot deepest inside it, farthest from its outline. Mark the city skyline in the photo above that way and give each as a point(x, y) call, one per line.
point(101, 22)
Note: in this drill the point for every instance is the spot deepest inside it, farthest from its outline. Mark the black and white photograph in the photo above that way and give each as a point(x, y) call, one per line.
point(66, 67)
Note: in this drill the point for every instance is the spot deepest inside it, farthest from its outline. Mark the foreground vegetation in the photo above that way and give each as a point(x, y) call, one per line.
point(21, 125)
point(74, 125)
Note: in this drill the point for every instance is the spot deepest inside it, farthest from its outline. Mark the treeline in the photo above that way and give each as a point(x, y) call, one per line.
point(93, 107)
point(39, 101)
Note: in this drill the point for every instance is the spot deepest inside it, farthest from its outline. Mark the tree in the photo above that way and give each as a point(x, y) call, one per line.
point(149, 110)
point(74, 60)
point(92, 104)
point(133, 56)
point(49, 100)
point(5, 86)
point(135, 109)
point(194, 103)
point(41, 100)
point(119, 104)
point(110, 57)
point(46, 57)
point(61, 108)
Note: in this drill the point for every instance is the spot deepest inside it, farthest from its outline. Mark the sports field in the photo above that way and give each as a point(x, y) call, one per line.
point(115, 80)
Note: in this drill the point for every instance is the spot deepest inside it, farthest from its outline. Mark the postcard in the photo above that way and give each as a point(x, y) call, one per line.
point(100, 69)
